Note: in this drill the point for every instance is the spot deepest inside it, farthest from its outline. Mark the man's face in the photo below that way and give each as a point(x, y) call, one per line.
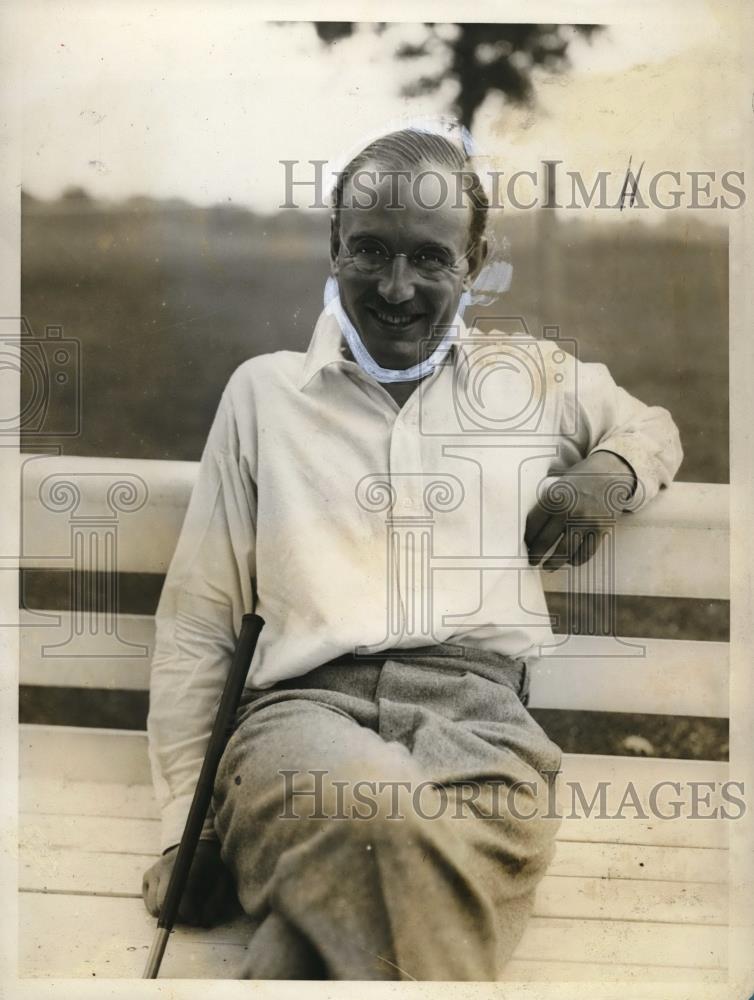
point(399, 313)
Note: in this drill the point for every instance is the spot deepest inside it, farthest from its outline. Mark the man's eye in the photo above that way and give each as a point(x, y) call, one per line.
point(370, 250)
point(432, 257)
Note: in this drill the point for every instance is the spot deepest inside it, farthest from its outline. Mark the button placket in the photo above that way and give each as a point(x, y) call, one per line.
point(409, 528)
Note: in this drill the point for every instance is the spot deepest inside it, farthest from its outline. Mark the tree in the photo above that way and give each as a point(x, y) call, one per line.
point(481, 58)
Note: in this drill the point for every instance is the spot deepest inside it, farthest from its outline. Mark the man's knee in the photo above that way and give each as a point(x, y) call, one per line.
point(367, 783)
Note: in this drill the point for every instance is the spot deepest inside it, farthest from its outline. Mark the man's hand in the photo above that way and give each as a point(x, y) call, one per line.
point(209, 897)
point(588, 492)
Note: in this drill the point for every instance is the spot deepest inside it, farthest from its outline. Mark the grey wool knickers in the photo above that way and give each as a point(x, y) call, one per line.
point(368, 804)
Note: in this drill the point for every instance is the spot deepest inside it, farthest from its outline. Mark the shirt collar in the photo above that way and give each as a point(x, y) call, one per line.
point(328, 348)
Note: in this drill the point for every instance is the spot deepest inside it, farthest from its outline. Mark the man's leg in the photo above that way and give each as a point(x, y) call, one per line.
point(278, 951)
point(379, 897)
point(304, 869)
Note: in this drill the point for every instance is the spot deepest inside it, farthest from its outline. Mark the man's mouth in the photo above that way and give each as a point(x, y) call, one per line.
point(397, 321)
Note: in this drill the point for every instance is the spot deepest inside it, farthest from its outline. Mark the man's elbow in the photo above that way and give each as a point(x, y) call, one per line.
point(671, 453)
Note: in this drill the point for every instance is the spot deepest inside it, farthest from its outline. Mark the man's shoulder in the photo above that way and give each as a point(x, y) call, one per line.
point(278, 370)
point(518, 341)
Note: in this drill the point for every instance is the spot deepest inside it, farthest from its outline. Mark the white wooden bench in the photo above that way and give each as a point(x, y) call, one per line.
point(633, 899)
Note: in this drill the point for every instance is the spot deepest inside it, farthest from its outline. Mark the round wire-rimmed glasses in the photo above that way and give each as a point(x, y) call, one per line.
point(370, 256)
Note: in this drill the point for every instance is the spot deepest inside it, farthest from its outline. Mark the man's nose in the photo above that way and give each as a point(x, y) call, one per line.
point(396, 283)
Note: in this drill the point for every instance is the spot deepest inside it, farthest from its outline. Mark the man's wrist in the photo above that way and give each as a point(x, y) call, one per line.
point(202, 840)
point(605, 462)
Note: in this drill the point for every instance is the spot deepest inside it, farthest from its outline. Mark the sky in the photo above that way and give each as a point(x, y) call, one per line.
point(197, 102)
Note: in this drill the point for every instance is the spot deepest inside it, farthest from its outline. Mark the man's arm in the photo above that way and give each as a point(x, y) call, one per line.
point(616, 454)
point(208, 587)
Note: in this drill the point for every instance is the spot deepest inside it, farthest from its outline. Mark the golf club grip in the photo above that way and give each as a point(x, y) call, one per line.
point(251, 626)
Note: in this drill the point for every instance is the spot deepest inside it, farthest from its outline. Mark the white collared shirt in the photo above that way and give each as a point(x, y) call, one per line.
point(349, 523)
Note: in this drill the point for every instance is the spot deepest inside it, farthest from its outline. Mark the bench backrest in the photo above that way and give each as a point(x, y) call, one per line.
point(100, 517)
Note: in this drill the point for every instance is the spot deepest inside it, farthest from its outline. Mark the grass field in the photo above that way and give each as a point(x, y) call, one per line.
point(167, 302)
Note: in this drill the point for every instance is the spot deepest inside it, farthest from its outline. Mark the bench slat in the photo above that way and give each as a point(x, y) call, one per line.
point(580, 972)
point(64, 935)
point(42, 833)
point(41, 664)
point(640, 861)
point(116, 874)
point(73, 753)
point(52, 798)
point(187, 958)
point(626, 899)
point(676, 547)
point(544, 971)
point(581, 919)
point(673, 677)
point(626, 942)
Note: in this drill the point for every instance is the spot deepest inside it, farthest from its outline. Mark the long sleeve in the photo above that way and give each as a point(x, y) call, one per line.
point(599, 415)
point(209, 585)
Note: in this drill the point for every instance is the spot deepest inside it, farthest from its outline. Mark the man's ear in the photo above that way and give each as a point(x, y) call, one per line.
point(334, 243)
point(477, 257)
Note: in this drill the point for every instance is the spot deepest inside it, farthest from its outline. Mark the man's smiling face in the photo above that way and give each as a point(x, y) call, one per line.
point(402, 315)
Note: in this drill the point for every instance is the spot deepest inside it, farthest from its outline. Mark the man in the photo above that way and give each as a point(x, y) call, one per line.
point(378, 500)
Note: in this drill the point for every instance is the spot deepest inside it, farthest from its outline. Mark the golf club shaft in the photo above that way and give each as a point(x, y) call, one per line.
point(251, 626)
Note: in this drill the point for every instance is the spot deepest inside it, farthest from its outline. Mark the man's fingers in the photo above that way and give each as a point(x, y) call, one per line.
point(198, 909)
point(221, 901)
point(228, 903)
point(535, 521)
point(207, 895)
point(151, 896)
point(191, 911)
point(575, 548)
point(585, 551)
point(158, 890)
point(560, 554)
point(196, 905)
point(191, 906)
point(546, 538)
point(216, 907)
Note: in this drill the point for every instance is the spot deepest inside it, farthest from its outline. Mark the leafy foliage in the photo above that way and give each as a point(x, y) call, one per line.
point(480, 58)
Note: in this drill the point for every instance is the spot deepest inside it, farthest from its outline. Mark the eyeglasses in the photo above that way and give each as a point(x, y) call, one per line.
point(431, 262)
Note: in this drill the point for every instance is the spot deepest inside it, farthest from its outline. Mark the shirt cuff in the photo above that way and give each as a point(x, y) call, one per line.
point(174, 821)
point(646, 483)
